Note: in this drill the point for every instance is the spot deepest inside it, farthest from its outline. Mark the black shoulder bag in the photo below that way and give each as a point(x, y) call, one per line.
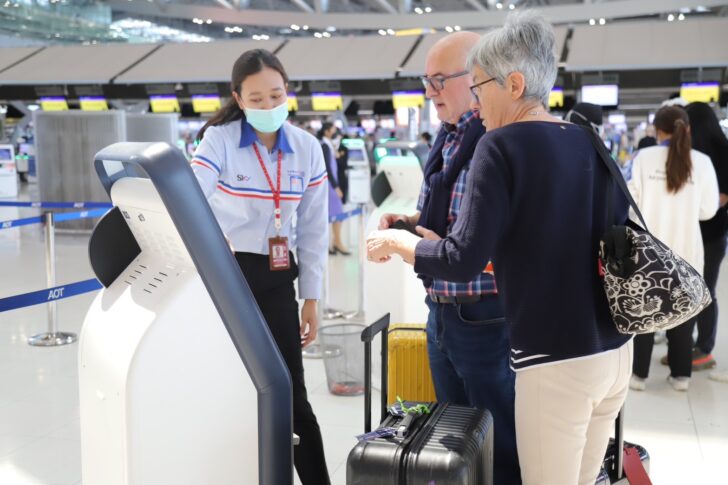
point(648, 287)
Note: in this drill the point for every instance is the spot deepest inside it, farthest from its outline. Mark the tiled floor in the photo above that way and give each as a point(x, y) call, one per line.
point(685, 433)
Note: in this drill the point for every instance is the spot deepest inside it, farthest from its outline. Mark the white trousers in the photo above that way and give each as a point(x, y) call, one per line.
point(565, 413)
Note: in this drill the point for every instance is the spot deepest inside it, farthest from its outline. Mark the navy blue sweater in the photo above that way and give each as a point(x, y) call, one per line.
point(536, 204)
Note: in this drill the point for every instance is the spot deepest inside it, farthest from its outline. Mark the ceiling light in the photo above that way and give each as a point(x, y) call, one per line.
point(428, 9)
point(305, 27)
point(512, 7)
point(317, 35)
point(458, 28)
point(592, 22)
point(499, 5)
point(681, 16)
point(419, 11)
point(670, 18)
point(602, 21)
point(295, 27)
point(449, 29)
point(208, 21)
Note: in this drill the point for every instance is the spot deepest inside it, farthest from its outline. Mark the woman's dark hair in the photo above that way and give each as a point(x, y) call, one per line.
point(673, 120)
point(249, 63)
point(705, 130)
point(325, 126)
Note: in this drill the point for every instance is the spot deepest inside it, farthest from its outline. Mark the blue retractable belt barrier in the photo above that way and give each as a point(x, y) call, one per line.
point(68, 216)
point(345, 215)
point(72, 216)
point(50, 294)
point(59, 205)
point(21, 222)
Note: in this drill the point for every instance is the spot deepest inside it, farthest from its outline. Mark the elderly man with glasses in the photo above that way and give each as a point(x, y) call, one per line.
point(467, 337)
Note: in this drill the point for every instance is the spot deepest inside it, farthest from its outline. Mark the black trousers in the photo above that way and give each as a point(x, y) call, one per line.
point(708, 318)
point(276, 297)
point(679, 351)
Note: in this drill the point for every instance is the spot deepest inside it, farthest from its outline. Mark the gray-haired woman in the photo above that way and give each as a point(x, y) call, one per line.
point(536, 205)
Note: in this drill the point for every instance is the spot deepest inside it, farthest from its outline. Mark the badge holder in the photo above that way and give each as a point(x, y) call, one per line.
point(278, 255)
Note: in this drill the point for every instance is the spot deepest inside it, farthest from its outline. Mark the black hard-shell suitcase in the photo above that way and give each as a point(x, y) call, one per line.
point(613, 468)
point(452, 445)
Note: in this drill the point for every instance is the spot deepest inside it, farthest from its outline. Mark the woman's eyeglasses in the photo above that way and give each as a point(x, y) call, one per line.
point(437, 83)
point(475, 89)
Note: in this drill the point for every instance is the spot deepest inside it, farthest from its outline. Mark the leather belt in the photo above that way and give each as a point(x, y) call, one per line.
point(457, 300)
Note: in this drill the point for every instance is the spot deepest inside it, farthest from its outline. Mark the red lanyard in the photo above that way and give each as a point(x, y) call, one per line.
point(276, 190)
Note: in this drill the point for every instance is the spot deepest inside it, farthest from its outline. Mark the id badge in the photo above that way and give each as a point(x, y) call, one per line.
point(278, 255)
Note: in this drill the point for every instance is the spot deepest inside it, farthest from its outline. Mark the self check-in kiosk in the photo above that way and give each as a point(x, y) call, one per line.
point(180, 379)
point(394, 287)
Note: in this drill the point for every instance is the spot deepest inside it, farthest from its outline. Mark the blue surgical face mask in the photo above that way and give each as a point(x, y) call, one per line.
point(267, 120)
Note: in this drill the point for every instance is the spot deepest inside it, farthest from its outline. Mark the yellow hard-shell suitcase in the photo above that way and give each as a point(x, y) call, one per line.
point(409, 375)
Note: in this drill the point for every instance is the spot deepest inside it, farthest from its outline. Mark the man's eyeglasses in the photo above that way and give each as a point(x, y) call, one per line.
point(437, 83)
point(475, 89)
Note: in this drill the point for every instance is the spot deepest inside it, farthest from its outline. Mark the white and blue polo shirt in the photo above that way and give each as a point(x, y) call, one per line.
point(241, 199)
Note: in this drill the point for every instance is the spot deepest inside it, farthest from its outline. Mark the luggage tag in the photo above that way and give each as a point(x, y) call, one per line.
point(633, 467)
point(396, 410)
point(377, 433)
point(278, 255)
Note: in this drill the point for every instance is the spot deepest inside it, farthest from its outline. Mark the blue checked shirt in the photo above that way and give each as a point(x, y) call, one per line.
point(484, 284)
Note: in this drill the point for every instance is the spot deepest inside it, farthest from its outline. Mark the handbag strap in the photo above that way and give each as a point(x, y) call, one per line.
point(616, 177)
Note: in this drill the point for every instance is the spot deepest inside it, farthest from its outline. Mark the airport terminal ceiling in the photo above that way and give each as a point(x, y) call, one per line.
point(30, 22)
point(149, 43)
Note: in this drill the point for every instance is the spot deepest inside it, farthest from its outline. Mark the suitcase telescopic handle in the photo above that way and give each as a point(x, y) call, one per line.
point(367, 336)
point(619, 445)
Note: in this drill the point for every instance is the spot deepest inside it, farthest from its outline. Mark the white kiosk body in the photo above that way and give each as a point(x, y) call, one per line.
point(393, 287)
point(8, 172)
point(164, 395)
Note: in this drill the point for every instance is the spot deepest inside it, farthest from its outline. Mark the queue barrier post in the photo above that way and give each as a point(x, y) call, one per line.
point(316, 350)
point(51, 338)
point(359, 313)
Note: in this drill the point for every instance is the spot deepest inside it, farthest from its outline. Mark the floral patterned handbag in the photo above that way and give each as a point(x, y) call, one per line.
point(648, 286)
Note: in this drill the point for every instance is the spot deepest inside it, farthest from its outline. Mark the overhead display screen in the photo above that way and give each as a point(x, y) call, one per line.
point(408, 99)
point(556, 98)
point(327, 101)
point(164, 104)
point(600, 94)
point(292, 102)
point(206, 103)
point(54, 103)
point(93, 103)
point(700, 92)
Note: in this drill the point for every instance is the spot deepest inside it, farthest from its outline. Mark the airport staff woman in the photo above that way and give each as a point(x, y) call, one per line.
point(257, 172)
